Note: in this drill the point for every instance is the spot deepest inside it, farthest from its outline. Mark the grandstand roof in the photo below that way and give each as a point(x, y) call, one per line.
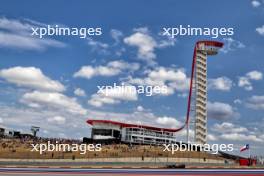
point(91, 122)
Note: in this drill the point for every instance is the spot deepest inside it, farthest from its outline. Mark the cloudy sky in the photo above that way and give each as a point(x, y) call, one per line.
point(52, 82)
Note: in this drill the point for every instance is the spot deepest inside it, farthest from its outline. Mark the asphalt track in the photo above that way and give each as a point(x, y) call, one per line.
point(130, 172)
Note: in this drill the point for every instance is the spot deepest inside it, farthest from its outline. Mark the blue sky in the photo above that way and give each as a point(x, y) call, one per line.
point(33, 69)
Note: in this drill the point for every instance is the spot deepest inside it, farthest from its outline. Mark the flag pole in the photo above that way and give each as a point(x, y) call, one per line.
point(249, 151)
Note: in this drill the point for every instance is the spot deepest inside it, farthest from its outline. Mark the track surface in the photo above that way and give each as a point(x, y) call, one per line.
point(138, 172)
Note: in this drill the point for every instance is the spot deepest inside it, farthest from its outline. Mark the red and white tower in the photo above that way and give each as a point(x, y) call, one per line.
point(197, 112)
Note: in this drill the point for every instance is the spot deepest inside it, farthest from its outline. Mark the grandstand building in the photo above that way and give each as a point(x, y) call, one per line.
point(130, 133)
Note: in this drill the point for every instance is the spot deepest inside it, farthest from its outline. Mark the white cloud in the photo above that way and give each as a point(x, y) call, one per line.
point(30, 77)
point(169, 122)
point(237, 101)
point(212, 137)
point(231, 45)
point(254, 75)
point(99, 100)
point(89, 71)
point(221, 83)
point(140, 108)
point(111, 69)
point(245, 81)
point(143, 30)
point(166, 43)
point(261, 137)
point(167, 74)
point(255, 102)
point(79, 92)
point(113, 95)
point(227, 127)
point(14, 25)
point(122, 65)
point(260, 30)
point(147, 44)
point(229, 131)
point(97, 46)
point(52, 100)
point(27, 42)
point(173, 79)
point(18, 35)
point(116, 35)
point(57, 119)
point(255, 3)
point(220, 111)
point(240, 137)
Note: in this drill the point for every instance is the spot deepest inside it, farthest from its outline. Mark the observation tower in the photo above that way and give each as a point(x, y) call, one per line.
point(196, 110)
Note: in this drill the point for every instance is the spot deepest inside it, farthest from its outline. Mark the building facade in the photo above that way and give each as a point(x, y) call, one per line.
point(130, 133)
